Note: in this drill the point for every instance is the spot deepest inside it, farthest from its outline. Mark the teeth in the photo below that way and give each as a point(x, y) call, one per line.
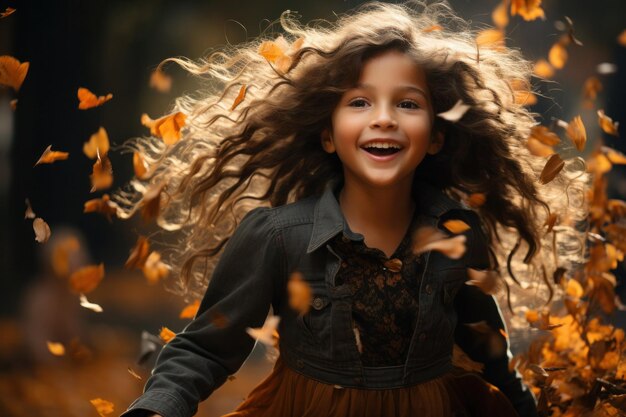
point(383, 145)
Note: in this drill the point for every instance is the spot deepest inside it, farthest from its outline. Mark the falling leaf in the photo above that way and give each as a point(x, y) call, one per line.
point(527, 9)
point(87, 99)
point(490, 38)
point(456, 226)
point(102, 176)
point(591, 88)
point(544, 135)
point(557, 55)
point(12, 72)
point(190, 311)
point(168, 128)
point(49, 156)
point(103, 205)
point(476, 200)
point(98, 143)
point(160, 81)
point(86, 279)
point(166, 334)
point(570, 31)
point(103, 407)
point(138, 254)
point(575, 130)
point(607, 124)
point(42, 230)
point(574, 289)
point(433, 28)
point(267, 334)
point(154, 270)
point(357, 339)
point(279, 52)
point(523, 96)
point(486, 280)
point(299, 293)
point(543, 69)
point(429, 238)
point(552, 168)
point(621, 39)
point(84, 302)
point(13, 104)
point(134, 374)
point(29, 213)
point(606, 68)
point(456, 112)
point(139, 166)
point(61, 252)
point(57, 349)
point(614, 156)
point(239, 98)
point(500, 15)
point(7, 12)
point(539, 149)
point(151, 202)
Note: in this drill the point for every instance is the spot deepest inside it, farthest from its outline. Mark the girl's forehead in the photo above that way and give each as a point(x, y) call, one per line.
point(392, 68)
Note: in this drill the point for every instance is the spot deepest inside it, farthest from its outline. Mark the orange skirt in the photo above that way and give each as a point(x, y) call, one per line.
point(459, 393)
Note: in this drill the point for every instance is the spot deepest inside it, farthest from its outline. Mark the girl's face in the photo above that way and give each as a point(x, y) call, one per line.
point(381, 129)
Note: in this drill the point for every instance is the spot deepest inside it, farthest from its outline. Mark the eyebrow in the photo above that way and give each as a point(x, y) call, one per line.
point(401, 88)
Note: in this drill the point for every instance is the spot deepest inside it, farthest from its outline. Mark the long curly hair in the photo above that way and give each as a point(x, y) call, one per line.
point(267, 149)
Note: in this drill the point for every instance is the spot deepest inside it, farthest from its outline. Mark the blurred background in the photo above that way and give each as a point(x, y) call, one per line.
point(112, 47)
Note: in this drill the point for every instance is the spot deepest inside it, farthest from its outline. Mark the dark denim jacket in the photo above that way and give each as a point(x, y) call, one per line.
point(251, 275)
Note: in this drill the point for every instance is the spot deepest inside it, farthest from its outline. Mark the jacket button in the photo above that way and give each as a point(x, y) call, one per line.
point(318, 303)
point(429, 289)
point(300, 363)
point(422, 337)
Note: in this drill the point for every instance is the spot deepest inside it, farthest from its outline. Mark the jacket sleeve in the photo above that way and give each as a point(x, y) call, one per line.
point(472, 306)
point(200, 358)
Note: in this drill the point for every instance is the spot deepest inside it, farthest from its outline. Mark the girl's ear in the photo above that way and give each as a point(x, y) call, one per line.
point(437, 143)
point(327, 141)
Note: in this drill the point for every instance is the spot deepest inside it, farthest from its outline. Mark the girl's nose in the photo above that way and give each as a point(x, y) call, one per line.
point(383, 119)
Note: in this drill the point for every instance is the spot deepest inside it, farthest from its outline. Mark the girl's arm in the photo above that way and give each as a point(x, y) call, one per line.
point(199, 359)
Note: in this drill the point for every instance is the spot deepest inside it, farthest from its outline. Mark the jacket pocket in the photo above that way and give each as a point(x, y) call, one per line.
point(315, 326)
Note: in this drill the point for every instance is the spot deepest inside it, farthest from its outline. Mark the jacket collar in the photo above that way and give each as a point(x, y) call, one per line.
point(328, 220)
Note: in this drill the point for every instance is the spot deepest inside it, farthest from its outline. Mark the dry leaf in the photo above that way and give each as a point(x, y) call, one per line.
point(299, 293)
point(154, 270)
point(552, 168)
point(607, 124)
point(7, 12)
point(103, 407)
point(279, 52)
point(103, 205)
point(539, 149)
point(475, 200)
point(12, 72)
point(166, 334)
point(544, 135)
point(614, 156)
point(29, 213)
point(456, 112)
point(543, 69)
point(500, 15)
point(357, 339)
point(490, 38)
point(527, 9)
point(168, 128)
point(268, 334)
point(239, 98)
point(86, 279)
point(87, 99)
point(429, 238)
point(42, 230)
point(49, 156)
point(190, 311)
point(575, 130)
point(456, 226)
point(134, 374)
point(61, 252)
point(84, 302)
point(523, 96)
point(621, 38)
point(138, 254)
point(102, 176)
point(57, 349)
point(591, 88)
point(139, 166)
point(433, 28)
point(574, 289)
point(160, 81)
point(151, 202)
point(557, 55)
point(485, 280)
point(98, 142)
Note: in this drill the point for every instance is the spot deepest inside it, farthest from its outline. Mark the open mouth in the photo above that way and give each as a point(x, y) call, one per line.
point(382, 149)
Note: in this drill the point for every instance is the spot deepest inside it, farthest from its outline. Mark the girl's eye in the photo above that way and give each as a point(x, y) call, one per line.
point(358, 102)
point(408, 104)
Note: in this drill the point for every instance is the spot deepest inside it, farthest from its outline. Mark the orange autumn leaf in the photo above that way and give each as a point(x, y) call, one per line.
point(591, 87)
point(268, 334)
point(12, 72)
point(553, 166)
point(485, 280)
point(166, 334)
point(139, 166)
point(557, 55)
point(42, 230)
point(543, 69)
point(13, 104)
point(57, 349)
point(103, 407)
point(527, 9)
point(160, 81)
point(7, 12)
point(61, 254)
point(433, 28)
point(574, 289)
point(279, 52)
point(102, 174)
point(455, 113)
point(456, 226)
point(544, 135)
point(621, 38)
point(607, 124)
point(98, 143)
point(476, 200)
point(151, 202)
point(429, 238)
point(49, 156)
point(29, 213)
point(86, 279)
point(614, 156)
point(154, 269)
point(490, 38)
point(138, 254)
point(500, 15)
point(190, 311)
point(539, 149)
point(88, 100)
point(103, 205)
point(168, 128)
point(299, 293)
point(239, 98)
point(575, 130)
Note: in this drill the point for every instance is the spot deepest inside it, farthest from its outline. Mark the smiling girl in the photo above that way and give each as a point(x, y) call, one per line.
point(339, 151)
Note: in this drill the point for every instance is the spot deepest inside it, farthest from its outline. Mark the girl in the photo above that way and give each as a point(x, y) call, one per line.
point(339, 149)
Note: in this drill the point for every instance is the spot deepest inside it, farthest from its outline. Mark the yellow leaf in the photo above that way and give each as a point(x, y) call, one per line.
point(160, 81)
point(575, 130)
point(102, 174)
point(500, 15)
point(190, 311)
point(98, 142)
point(153, 269)
point(490, 38)
point(456, 226)
point(103, 205)
point(614, 156)
point(607, 124)
point(49, 156)
point(88, 100)
point(57, 349)
point(86, 279)
point(527, 9)
point(103, 407)
point(557, 55)
point(12, 72)
point(42, 230)
point(168, 128)
point(539, 149)
point(574, 289)
point(543, 69)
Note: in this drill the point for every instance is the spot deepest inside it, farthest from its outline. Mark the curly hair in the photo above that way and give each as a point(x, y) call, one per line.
point(267, 150)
